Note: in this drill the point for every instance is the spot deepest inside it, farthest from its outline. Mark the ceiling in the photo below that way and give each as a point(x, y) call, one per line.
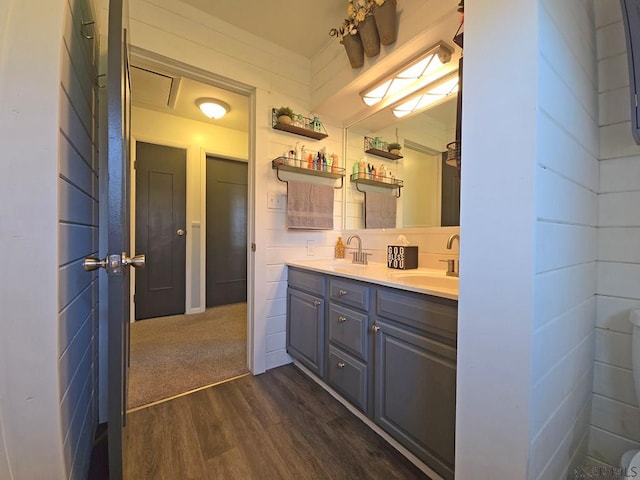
point(301, 26)
point(278, 21)
point(166, 93)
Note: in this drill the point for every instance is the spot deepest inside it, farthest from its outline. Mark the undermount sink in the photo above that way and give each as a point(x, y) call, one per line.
point(343, 265)
point(426, 280)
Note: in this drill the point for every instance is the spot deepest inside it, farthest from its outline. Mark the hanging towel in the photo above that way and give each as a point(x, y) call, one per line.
point(379, 210)
point(309, 206)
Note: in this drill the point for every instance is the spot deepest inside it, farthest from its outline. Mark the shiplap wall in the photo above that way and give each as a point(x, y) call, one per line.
point(78, 238)
point(566, 238)
point(615, 417)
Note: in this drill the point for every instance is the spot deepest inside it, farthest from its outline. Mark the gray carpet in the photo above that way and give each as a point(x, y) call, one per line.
point(172, 355)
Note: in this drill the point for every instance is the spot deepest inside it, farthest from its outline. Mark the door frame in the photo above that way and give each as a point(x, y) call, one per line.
point(255, 343)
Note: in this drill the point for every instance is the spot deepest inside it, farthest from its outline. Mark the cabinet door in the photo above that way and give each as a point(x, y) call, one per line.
point(305, 329)
point(415, 394)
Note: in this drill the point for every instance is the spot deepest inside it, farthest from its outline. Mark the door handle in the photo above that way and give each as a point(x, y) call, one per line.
point(113, 263)
point(93, 263)
point(181, 232)
point(137, 261)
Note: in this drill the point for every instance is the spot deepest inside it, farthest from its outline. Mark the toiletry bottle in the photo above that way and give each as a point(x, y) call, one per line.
point(339, 248)
point(310, 161)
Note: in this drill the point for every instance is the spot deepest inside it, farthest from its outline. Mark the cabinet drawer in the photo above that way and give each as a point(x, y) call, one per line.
point(349, 293)
point(348, 328)
point(431, 315)
point(307, 281)
point(348, 376)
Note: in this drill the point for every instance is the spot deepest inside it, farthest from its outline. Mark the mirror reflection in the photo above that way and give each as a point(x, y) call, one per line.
point(430, 193)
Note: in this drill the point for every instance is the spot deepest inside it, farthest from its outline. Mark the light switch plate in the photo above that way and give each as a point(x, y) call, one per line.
point(274, 201)
point(311, 248)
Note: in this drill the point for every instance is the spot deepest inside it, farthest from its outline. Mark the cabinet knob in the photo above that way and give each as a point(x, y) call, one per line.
point(342, 319)
point(375, 328)
point(316, 303)
point(342, 293)
point(341, 365)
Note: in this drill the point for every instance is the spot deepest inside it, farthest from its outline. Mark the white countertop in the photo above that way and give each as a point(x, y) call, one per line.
point(420, 280)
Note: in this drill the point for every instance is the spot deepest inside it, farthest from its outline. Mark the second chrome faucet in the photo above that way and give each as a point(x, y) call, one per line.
point(358, 256)
point(451, 262)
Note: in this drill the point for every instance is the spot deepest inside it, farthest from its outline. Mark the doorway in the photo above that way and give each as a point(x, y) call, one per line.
point(161, 195)
point(197, 346)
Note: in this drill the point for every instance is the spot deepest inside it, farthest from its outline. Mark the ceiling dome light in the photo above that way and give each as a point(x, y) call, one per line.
point(213, 108)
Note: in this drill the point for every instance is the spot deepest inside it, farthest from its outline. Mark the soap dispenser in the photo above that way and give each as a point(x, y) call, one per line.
point(339, 248)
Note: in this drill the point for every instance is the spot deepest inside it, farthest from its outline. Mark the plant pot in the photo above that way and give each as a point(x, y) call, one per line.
point(369, 35)
point(285, 119)
point(386, 23)
point(395, 151)
point(355, 52)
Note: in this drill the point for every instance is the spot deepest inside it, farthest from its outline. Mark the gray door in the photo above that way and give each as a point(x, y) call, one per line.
point(118, 124)
point(161, 195)
point(226, 280)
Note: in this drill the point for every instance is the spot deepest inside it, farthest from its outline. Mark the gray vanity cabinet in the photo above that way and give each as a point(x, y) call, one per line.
point(306, 319)
point(348, 367)
point(389, 352)
point(415, 374)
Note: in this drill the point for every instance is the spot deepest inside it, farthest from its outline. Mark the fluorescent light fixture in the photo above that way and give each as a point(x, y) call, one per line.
point(212, 107)
point(414, 74)
point(434, 93)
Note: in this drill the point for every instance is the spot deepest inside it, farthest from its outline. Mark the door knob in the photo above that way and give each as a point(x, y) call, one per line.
point(375, 328)
point(181, 232)
point(113, 263)
point(93, 263)
point(137, 261)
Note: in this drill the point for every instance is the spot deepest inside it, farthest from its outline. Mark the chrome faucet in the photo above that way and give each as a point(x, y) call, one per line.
point(451, 262)
point(358, 256)
point(451, 239)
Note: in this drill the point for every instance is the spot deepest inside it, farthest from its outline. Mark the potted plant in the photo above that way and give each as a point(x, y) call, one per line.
point(394, 148)
point(284, 115)
point(347, 34)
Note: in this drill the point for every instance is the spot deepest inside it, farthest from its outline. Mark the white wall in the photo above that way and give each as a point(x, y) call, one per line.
point(498, 233)
point(615, 417)
point(566, 212)
point(530, 317)
point(29, 96)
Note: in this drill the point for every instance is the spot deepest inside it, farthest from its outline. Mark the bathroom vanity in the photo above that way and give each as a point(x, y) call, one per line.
point(385, 341)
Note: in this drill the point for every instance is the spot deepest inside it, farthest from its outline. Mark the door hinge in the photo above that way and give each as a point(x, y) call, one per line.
point(135, 165)
point(253, 247)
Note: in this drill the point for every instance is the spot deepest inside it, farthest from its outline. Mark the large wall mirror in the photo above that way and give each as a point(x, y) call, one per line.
point(430, 195)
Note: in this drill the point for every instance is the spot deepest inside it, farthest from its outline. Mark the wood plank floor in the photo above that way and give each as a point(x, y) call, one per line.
point(279, 425)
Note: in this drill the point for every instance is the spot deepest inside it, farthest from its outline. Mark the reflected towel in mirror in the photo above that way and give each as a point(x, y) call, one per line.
point(309, 206)
point(379, 210)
